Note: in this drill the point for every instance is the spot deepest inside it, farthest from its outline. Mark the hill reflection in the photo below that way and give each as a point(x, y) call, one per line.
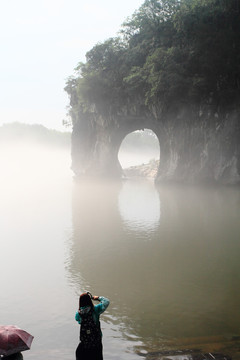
point(157, 287)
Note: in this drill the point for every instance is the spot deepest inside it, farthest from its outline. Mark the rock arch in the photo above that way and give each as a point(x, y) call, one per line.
point(196, 147)
point(139, 148)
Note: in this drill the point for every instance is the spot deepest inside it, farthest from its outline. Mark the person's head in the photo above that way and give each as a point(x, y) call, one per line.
point(85, 300)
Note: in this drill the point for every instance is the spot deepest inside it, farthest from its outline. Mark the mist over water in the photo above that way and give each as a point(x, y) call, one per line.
point(139, 147)
point(128, 159)
point(167, 257)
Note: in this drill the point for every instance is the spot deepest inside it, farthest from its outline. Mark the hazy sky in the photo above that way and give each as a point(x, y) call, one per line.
point(42, 41)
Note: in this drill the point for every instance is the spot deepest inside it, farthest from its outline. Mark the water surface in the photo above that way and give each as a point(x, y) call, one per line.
point(168, 258)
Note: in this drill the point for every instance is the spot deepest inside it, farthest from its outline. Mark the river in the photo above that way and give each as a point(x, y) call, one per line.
point(167, 257)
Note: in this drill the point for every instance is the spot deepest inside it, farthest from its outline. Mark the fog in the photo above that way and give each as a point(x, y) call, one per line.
point(31, 162)
point(139, 148)
point(27, 163)
point(131, 157)
point(178, 246)
point(31, 153)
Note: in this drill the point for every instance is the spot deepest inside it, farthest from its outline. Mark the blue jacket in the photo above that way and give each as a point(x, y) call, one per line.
point(98, 310)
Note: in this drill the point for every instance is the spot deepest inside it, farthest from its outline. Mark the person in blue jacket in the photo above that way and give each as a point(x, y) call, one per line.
point(90, 346)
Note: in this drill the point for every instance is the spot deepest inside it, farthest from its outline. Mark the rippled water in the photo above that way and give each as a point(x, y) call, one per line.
point(168, 258)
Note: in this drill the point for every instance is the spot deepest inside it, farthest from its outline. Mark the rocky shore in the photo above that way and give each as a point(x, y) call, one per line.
point(148, 170)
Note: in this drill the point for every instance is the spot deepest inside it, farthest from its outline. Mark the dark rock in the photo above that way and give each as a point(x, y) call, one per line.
point(196, 145)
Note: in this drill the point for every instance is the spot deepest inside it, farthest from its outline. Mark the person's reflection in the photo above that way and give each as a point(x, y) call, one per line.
point(17, 356)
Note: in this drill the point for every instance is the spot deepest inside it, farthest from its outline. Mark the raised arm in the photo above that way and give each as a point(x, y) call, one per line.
point(104, 302)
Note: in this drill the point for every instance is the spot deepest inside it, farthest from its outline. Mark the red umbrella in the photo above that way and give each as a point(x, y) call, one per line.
point(13, 340)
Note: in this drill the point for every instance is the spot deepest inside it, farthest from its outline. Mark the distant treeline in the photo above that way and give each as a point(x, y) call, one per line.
point(142, 140)
point(169, 53)
point(24, 133)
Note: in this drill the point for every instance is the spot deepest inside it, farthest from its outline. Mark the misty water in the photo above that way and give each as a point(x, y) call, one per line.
point(167, 257)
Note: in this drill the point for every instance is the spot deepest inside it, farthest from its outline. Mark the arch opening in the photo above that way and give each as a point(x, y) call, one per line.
point(139, 154)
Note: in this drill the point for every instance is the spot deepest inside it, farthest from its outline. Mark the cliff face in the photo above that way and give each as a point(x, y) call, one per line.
point(201, 147)
point(196, 145)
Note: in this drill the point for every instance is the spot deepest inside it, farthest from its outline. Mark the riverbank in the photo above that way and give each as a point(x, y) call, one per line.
point(148, 170)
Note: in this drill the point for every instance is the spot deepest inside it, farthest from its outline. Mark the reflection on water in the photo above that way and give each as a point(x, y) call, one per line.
point(139, 206)
point(168, 258)
point(183, 283)
point(17, 356)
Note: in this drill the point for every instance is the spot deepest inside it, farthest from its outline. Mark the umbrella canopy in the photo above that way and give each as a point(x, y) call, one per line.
point(13, 340)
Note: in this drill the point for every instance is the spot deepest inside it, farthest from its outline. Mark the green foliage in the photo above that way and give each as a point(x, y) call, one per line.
point(167, 77)
point(211, 32)
point(98, 83)
point(170, 52)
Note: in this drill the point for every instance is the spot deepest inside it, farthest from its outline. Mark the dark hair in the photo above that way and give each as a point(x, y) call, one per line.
point(85, 300)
